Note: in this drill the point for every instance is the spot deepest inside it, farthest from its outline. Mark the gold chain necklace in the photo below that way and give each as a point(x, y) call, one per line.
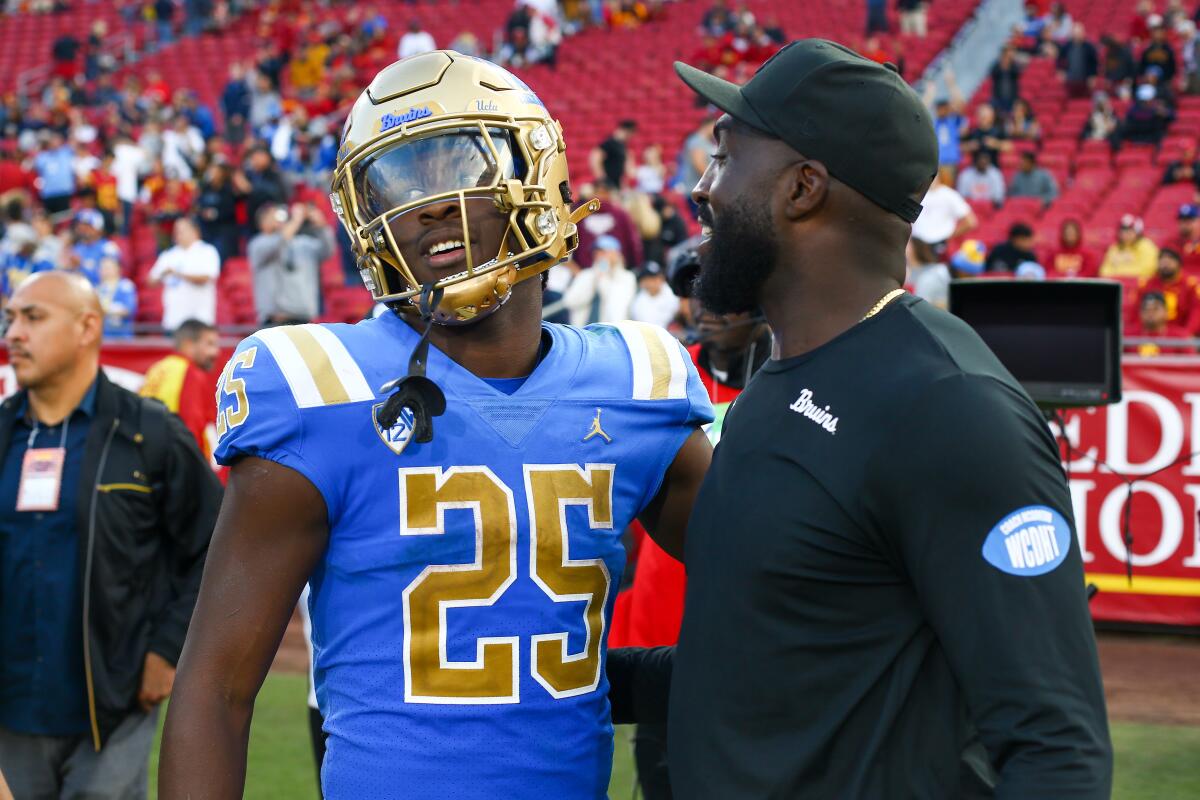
point(883, 301)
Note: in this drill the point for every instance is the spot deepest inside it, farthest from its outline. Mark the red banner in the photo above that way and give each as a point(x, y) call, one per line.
point(125, 363)
point(1148, 441)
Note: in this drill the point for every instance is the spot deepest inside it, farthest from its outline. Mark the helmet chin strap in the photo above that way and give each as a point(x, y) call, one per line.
point(415, 391)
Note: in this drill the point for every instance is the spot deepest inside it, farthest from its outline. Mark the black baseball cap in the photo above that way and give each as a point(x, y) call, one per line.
point(857, 117)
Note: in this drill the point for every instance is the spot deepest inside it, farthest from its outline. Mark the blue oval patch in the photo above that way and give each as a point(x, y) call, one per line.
point(1030, 541)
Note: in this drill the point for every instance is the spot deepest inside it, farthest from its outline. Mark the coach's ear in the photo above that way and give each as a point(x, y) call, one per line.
point(806, 184)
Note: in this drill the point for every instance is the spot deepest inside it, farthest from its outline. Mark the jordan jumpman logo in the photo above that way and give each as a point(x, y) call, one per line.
point(597, 430)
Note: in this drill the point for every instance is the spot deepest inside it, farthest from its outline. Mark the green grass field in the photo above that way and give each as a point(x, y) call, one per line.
point(1154, 762)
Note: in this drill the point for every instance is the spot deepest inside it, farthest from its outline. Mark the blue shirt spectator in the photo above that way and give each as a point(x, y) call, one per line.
point(55, 169)
point(16, 267)
point(118, 298)
point(42, 688)
point(91, 246)
point(949, 127)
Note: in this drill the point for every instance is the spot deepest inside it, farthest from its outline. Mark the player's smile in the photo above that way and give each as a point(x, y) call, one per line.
point(431, 237)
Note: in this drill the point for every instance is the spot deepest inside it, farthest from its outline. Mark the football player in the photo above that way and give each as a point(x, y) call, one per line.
point(460, 528)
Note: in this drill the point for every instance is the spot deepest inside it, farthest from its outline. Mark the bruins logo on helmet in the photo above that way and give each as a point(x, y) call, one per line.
point(453, 176)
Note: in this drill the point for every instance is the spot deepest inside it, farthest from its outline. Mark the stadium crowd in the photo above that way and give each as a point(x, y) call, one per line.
point(103, 150)
point(992, 163)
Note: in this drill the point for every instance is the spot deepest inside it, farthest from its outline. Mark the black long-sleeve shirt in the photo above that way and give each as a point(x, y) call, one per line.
point(883, 569)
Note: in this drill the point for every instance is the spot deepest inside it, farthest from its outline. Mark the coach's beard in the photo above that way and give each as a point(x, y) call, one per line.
point(736, 260)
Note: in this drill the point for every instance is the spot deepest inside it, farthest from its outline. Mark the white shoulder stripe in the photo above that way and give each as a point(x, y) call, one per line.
point(353, 380)
point(316, 365)
point(659, 372)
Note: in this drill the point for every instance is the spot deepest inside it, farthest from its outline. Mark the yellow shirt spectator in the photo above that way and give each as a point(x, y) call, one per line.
point(1132, 255)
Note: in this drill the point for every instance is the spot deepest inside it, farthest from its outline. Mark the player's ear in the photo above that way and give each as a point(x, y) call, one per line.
point(805, 185)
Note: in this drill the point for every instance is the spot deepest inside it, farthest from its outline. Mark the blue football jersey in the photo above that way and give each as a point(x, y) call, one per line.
point(459, 615)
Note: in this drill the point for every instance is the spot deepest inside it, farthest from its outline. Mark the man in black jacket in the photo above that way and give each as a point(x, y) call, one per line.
point(106, 509)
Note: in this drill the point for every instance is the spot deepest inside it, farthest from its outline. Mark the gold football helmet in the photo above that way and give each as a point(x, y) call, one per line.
point(440, 130)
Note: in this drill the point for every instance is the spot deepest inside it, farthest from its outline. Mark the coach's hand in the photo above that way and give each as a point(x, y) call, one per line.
point(158, 676)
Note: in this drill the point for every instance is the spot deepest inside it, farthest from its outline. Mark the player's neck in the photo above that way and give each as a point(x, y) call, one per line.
point(506, 344)
point(806, 309)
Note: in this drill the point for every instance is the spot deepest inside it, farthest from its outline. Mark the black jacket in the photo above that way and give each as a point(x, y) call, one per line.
point(147, 505)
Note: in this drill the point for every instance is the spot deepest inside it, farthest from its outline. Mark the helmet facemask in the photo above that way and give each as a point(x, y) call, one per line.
point(484, 177)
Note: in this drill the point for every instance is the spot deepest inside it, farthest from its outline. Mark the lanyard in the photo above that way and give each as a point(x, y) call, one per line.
point(62, 443)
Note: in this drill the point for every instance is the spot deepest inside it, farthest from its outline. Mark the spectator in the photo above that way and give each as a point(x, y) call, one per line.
point(1014, 251)
point(286, 258)
point(1189, 55)
point(91, 245)
point(1139, 26)
point(651, 174)
point(928, 278)
point(988, 135)
point(1152, 324)
point(1187, 239)
point(517, 51)
point(1159, 53)
point(1022, 125)
point(64, 52)
point(1078, 64)
point(1119, 68)
point(655, 302)
point(118, 300)
point(188, 273)
point(945, 214)
point(948, 123)
point(467, 44)
point(913, 17)
point(545, 35)
point(100, 189)
point(182, 148)
point(717, 19)
point(184, 382)
point(79, 702)
point(262, 182)
point(1132, 255)
point(1006, 80)
point(982, 181)
point(1147, 119)
point(693, 157)
point(56, 176)
point(198, 115)
point(18, 264)
point(605, 291)
point(1181, 292)
point(1059, 25)
point(235, 100)
point(1185, 169)
point(17, 231)
point(611, 220)
point(1033, 181)
point(877, 16)
point(50, 245)
point(265, 105)
point(1102, 124)
point(610, 160)
point(216, 208)
point(671, 233)
point(415, 41)
point(1071, 259)
point(164, 17)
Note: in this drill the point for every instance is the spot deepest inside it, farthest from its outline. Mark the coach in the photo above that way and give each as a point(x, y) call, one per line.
point(882, 565)
point(106, 508)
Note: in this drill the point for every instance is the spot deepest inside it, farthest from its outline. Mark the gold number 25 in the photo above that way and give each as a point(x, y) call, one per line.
point(493, 676)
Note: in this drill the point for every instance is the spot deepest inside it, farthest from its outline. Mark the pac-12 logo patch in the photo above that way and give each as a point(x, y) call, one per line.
point(397, 436)
point(1030, 541)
